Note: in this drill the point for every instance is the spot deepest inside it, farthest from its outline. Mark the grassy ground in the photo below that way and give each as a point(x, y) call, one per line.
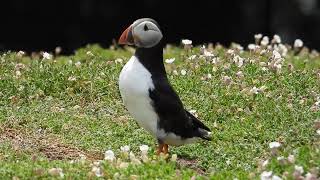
point(65, 112)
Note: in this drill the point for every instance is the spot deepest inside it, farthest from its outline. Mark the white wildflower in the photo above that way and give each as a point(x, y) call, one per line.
point(183, 72)
point(265, 41)
point(123, 165)
point(275, 177)
point(215, 60)
point(144, 149)
point(238, 60)
point(174, 158)
point(46, 56)
point(266, 175)
point(276, 55)
point(227, 80)
point(318, 131)
point(118, 61)
point(209, 76)
point(257, 37)
point(298, 169)
point(276, 39)
point(56, 172)
point(20, 53)
point(252, 47)
point(192, 57)
point(291, 158)
point(239, 74)
point(175, 72)
point(283, 50)
point(171, 60)
point(70, 61)
point(89, 53)
point(58, 50)
point(19, 66)
point(109, 155)
point(265, 163)
point(298, 43)
point(254, 90)
point(230, 51)
point(273, 145)
point(72, 78)
point(310, 176)
point(186, 42)
point(97, 171)
point(18, 73)
point(77, 64)
point(125, 148)
point(263, 51)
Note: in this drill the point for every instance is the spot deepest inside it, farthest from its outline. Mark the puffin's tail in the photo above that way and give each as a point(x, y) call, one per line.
point(202, 130)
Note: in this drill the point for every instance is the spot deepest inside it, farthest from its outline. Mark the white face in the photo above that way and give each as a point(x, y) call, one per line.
point(146, 34)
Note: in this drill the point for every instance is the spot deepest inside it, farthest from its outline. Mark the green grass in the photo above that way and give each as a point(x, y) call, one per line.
point(54, 111)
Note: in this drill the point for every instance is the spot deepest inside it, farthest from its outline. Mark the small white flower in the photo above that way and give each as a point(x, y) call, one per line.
point(70, 61)
point(276, 39)
point(58, 50)
point(109, 155)
point(56, 172)
point(171, 60)
point(239, 74)
point(77, 64)
point(183, 72)
point(118, 60)
point(227, 80)
point(276, 55)
point(264, 69)
point(252, 47)
point(298, 169)
point(192, 57)
point(144, 149)
point(266, 175)
point(174, 158)
point(97, 171)
point(291, 158)
point(263, 51)
point(257, 36)
point(298, 43)
point(265, 41)
point(265, 163)
point(254, 90)
point(230, 51)
point(72, 78)
point(186, 42)
point(275, 177)
point(238, 60)
point(21, 53)
point(274, 145)
point(318, 131)
point(46, 56)
point(175, 72)
point(125, 148)
point(209, 76)
point(18, 73)
point(283, 50)
point(89, 53)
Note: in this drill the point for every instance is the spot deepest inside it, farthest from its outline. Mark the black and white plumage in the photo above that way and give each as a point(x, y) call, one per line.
point(147, 93)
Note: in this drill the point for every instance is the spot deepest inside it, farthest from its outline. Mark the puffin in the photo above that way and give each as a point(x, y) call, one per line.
point(147, 94)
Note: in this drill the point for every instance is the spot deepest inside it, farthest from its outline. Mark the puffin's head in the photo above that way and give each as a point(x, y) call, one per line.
point(143, 33)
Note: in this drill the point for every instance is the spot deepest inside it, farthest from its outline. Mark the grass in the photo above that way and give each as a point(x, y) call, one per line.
point(58, 113)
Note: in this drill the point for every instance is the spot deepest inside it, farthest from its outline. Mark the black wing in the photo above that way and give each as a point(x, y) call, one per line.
point(173, 116)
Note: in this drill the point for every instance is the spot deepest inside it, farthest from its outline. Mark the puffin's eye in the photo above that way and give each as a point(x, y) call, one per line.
point(145, 27)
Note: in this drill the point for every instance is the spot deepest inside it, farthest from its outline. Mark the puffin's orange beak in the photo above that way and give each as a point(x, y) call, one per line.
point(127, 37)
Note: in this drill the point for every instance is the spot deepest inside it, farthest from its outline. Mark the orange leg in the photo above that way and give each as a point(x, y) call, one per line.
point(165, 149)
point(160, 149)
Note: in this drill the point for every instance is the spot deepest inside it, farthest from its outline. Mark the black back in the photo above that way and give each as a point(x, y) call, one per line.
point(173, 117)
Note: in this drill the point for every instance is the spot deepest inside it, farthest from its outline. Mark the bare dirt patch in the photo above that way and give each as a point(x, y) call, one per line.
point(190, 163)
point(50, 146)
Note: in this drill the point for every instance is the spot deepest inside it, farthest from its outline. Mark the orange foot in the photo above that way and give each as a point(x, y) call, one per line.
point(162, 148)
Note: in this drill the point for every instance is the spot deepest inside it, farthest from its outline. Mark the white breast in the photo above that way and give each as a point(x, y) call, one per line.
point(134, 83)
